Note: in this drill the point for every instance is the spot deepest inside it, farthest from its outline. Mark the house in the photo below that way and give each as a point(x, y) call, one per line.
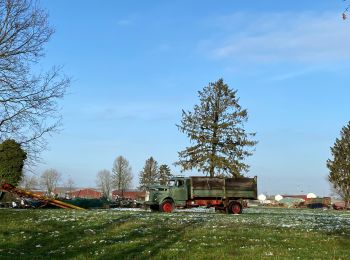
point(87, 193)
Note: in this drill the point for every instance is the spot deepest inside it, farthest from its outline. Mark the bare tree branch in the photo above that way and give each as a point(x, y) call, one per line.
point(345, 12)
point(28, 101)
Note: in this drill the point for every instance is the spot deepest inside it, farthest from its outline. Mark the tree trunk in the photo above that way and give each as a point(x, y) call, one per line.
point(213, 153)
point(215, 130)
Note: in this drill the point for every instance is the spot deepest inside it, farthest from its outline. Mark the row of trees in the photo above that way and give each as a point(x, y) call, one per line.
point(152, 173)
point(49, 180)
point(12, 158)
point(121, 176)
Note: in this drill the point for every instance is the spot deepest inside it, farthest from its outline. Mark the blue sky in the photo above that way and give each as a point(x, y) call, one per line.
point(136, 64)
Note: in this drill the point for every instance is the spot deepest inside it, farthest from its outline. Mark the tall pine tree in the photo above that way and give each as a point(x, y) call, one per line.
point(339, 166)
point(215, 128)
point(164, 174)
point(149, 174)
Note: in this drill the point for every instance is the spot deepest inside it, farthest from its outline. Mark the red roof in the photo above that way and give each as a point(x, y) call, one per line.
point(86, 194)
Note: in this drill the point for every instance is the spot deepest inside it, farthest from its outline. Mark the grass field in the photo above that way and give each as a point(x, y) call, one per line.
point(113, 234)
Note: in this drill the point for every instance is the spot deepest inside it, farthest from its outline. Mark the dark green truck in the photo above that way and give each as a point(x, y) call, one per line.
point(225, 194)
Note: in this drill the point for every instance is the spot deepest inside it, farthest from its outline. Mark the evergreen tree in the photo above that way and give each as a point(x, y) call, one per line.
point(164, 174)
point(216, 129)
point(339, 166)
point(149, 174)
point(122, 175)
point(12, 159)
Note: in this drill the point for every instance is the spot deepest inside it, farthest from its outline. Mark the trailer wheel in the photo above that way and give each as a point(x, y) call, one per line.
point(235, 208)
point(167, 206)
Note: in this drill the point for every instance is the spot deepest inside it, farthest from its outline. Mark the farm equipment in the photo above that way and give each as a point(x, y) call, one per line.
point(316, 203)
point(44, 200)
point(227, 194)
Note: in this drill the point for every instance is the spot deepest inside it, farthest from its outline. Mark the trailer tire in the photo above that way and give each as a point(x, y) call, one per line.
point(167, 206)
point(235, 207)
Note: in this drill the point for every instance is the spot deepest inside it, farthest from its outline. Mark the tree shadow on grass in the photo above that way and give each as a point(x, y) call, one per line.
point(152, 242)
point(127, 236)
point(55, 240)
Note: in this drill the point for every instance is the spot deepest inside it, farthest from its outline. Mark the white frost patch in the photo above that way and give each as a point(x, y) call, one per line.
point(129, 209)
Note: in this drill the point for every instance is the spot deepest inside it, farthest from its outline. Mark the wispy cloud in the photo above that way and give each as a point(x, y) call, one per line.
point(308, 38)
point(124, 22)
point(294, 73)
point(132, 111)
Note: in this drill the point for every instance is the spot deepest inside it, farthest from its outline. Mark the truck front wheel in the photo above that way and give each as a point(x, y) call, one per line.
point(167, 206)
point(235, 207)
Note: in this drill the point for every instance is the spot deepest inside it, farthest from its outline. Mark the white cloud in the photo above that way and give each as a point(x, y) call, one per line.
point(308, 38)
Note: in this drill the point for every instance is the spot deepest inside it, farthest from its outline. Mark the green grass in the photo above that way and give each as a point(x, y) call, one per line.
point(111, 234)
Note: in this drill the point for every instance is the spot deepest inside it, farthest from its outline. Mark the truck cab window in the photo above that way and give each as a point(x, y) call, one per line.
point(180, 183)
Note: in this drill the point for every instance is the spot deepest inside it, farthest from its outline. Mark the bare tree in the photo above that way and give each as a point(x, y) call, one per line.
point(29, 182)
point(122, 175)
point(70, 185)
point(104, 182)
point(28, 101)
point(49, 180)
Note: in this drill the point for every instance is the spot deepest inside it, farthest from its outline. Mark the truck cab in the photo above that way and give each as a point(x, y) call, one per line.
point(166, 197)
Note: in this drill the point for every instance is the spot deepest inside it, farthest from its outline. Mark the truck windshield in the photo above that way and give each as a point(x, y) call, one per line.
point(171, 183)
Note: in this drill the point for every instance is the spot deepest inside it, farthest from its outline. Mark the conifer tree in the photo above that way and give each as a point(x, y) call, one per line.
point(12, 159)
point(149, 174)
point(339, 165)
point(215, 127)
point(164, 174)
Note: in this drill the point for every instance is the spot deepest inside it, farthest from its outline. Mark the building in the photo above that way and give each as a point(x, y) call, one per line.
point(87, 193)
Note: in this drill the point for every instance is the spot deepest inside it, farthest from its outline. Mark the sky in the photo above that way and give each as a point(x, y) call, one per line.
point(136, 64)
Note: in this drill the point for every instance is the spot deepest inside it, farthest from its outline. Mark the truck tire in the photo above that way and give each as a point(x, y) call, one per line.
point(167, 206)
point(235, 207)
